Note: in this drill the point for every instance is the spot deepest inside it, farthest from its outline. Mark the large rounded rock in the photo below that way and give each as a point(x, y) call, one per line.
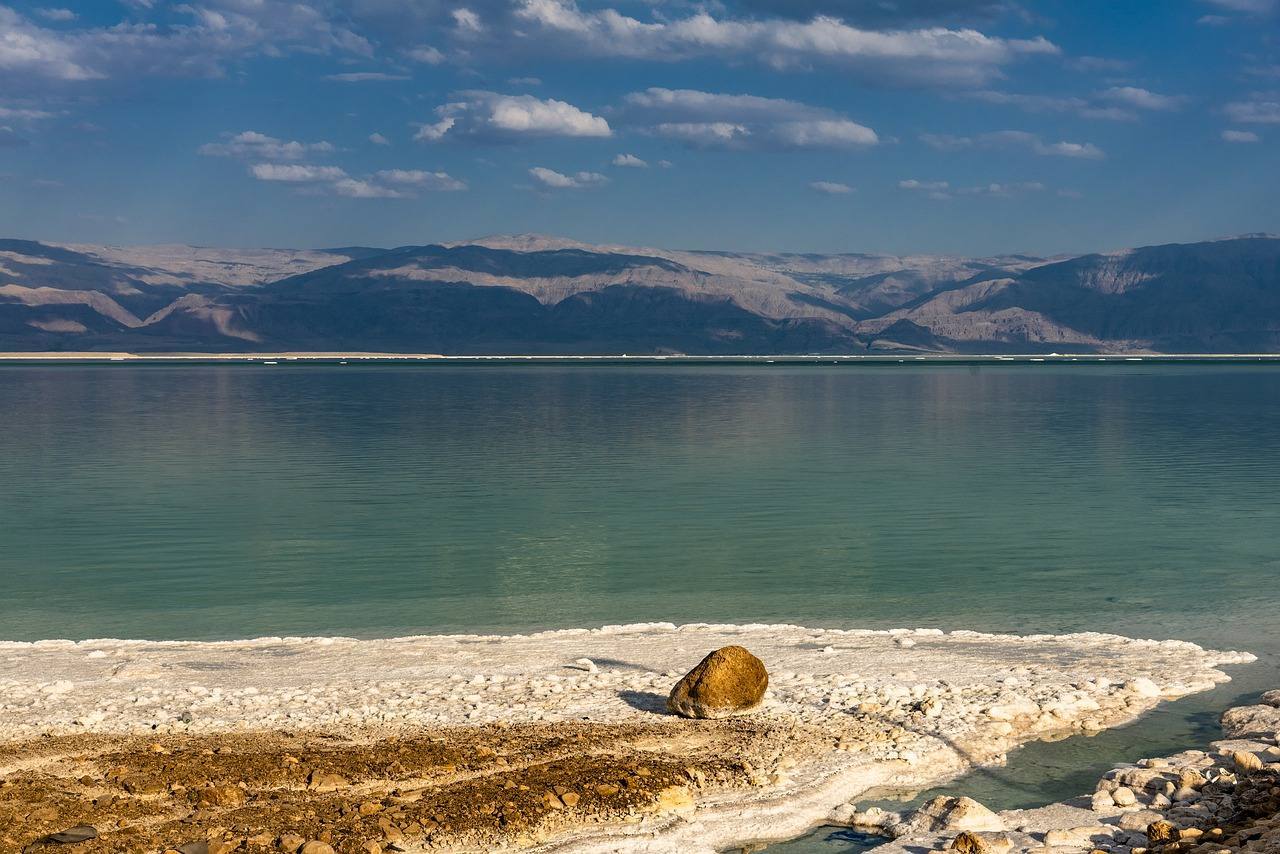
point(730, 681)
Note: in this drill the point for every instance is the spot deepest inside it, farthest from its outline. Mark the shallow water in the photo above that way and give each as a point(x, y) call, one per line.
point(219, 501)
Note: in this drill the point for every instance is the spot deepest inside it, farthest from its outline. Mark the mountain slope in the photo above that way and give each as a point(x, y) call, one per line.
point(530, 294)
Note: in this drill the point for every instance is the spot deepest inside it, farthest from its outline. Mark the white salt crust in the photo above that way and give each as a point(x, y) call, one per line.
point(988, 693)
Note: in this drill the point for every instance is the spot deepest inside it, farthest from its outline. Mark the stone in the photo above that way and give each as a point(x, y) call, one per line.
point(79, 833)
point(1072, 836)
point(1161, 831)
point(675, 799)
point(315, 846)
point(1246, 761)
point(728, 682)
point(970, 843)
point(1139, 820)
point(199, 847)
point(322, 782)
point(371, 847)
point(944, 814)
point(222, 796)
point(291, 842)
point(570, 799)
point(607, 790)
point(1102, 802)
point(1124, 797)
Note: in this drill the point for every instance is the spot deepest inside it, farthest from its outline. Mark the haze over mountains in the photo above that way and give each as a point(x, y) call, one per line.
point(530, 294)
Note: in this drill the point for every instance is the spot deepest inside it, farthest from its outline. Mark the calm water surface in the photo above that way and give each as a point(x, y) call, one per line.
point(222, 501)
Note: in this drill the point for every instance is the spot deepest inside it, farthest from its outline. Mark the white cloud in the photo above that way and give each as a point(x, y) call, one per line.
point(251, 145)
point(1260, 109)
point(28, 49)
point(714, 120)
point(23, 114)
point(1117, 103)
point(467, 21)
point(182, 40)
point(933, 54)
point(553, 180)
point(914, 184)
point(387, 184)
point(355, 188)
point(379, 139)
point(1254, 7)
point(1023, 139)
point(425, 54)
point(1142, 99)
point(491, 117)
point(1002, 190)
point(58, 15)
point(1240, 136)
point(946, 141)
point(440, 181)
point(295, 173)
point(525, 81)
point(831, 188)
point(365, 77)
point(630, 160)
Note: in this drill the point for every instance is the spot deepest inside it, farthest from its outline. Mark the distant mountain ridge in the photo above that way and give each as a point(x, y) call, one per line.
point(531, 294)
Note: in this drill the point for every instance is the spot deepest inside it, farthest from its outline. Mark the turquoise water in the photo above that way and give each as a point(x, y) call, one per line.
point(219, 501)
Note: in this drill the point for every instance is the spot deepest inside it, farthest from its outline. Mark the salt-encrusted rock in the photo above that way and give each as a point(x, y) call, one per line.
point(1246, 761)
point(1073, 836)
point(944, 814)
point(728, 682)
point(1124, 797)
point(1271, 698)
point(1102, 802)
point(1245, 721)
point(1138, 820)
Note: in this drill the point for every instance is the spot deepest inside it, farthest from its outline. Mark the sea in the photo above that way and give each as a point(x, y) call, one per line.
point(220, 500)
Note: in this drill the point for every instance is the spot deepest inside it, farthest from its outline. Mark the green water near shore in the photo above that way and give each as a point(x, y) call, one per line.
point(230, 500)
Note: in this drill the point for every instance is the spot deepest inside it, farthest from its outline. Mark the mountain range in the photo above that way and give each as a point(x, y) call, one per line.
point(530, 294)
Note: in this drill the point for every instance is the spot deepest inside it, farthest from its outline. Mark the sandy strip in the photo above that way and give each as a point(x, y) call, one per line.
point(847, 710)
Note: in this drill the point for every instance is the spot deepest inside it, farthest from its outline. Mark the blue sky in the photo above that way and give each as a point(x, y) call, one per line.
point(956, 126)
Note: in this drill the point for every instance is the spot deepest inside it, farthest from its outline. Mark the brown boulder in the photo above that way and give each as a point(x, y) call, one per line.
point(730, 681)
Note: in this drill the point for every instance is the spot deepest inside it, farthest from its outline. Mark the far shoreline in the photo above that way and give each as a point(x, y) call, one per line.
point(345, 357)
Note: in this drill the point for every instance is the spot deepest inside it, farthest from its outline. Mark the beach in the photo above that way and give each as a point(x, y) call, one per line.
point(426, 742)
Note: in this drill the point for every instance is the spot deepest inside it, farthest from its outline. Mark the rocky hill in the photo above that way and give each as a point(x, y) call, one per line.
point(534, 294)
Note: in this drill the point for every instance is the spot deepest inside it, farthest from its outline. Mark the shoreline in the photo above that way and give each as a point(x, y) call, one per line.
point(848, 710)
point(680, 359)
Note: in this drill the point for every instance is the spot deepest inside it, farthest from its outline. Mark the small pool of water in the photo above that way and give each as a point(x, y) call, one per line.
point(1047, 772)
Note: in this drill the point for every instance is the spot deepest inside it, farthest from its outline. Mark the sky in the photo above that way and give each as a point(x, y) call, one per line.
point(969, 127)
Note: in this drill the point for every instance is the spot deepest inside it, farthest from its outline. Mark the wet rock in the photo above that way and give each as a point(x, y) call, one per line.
point(730, 681)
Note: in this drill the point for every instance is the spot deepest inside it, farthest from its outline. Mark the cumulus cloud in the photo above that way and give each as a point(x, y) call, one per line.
point(387, 184)
point(630, 160)
point(944, 190)
point(58, 15)
point(252, 145)
point(552, 180)
point(295, 173)
point(379, 139)
point(1014, 139)
point(1118, 102)
point(714, 120)
point(491, 117)
point(831, 188)
point(889, 14)
point(1142, 99)
point(1240, 136)
point(365, 77)
point(425, 54)
point(932, 189)
point(183, 41)
point(1252, 7)
point(440, 181)
point(928, 55)
point(1259, 109)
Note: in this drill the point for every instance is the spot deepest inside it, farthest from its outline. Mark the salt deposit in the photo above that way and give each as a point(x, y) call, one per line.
point(939, 702)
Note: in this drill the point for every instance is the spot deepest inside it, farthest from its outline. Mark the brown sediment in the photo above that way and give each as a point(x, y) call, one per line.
point(475, 787)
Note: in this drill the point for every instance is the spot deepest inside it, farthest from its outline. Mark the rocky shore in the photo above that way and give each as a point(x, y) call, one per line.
point(560, 741)
point(1223, 800)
